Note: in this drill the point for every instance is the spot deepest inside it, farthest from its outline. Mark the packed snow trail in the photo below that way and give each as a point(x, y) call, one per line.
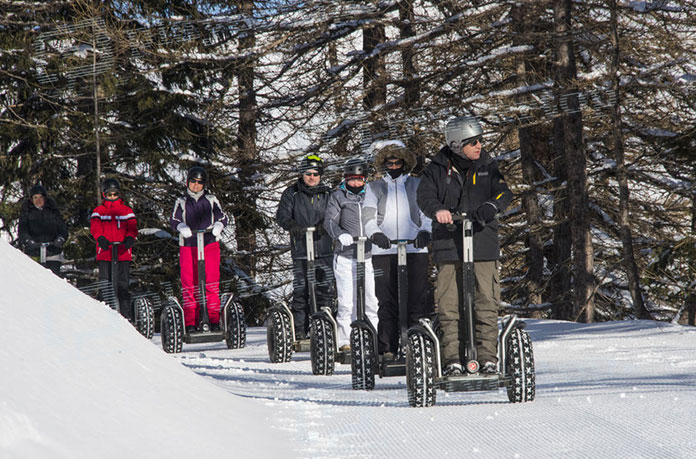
point(610, 390)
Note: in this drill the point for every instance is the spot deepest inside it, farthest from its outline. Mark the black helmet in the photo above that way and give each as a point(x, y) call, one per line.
point(37, 189)
point(460, 129)
point(355, 167)
point(312, 162)
point(110, 184)
point(197, 173)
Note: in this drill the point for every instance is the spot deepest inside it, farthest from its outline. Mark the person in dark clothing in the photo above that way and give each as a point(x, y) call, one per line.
point(463, 177)
point(302, 205)
point(114, 221)
point(40, 223)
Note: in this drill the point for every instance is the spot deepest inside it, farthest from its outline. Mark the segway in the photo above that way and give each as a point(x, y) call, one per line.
point(42, 252)
point(363, 336)
point(515, 355)
point(232, 325)
point(142, 312)
point(280, 334)
point(397, 365)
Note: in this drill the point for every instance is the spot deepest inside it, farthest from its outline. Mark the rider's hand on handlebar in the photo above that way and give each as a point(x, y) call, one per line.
point(444, 216)
point(184, 230)
point(345, 239)
point(103, 242)
point(217, 229)
point(381, 240)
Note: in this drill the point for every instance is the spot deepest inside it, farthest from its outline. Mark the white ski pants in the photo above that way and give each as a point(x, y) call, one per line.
point(345, 273)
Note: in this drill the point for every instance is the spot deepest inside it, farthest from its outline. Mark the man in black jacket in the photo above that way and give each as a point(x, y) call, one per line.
point(302, 205)
point(40, 223)
point(462, 177)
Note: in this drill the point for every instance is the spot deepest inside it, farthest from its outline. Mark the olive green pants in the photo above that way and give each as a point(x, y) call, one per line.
point(486, 302)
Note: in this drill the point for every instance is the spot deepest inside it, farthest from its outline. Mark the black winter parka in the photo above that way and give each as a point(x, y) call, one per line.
point(303, 206)
point(443, 186)
point(41, 225)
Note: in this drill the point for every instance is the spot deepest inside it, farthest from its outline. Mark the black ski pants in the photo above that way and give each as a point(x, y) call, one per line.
point(323, 287)
point(107, 291)
point(420, 296)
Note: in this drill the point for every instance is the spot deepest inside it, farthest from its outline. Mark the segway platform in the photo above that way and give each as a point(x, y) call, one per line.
point(204, 337)
point(470, 383)
point(392, 367)
point(303, 345)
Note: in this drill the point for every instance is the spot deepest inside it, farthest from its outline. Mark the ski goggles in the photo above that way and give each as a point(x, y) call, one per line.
point(355, 177)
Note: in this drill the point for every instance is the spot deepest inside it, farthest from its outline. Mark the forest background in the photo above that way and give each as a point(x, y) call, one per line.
point(589, 107)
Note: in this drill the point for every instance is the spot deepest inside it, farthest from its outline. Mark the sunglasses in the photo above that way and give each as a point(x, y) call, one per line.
point(312, 174)
point(472, 141)
point(395, 162)
point(111, 194)
point(197, 181)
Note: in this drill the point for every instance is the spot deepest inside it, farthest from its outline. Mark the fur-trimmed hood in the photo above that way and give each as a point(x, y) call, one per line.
point(394, 151)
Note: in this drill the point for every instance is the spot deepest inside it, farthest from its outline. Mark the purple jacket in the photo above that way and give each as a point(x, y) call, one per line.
point(197, 215)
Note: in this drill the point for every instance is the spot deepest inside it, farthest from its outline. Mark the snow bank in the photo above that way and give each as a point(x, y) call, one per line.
point(78, 381)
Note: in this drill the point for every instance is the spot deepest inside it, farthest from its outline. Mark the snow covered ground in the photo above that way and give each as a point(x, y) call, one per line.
point(77, 381)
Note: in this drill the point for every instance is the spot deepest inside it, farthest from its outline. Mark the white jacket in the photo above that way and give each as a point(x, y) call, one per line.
point(390, 207)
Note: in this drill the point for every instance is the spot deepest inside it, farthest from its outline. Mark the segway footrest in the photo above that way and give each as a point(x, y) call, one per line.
point(469, 383)
point(204, 337)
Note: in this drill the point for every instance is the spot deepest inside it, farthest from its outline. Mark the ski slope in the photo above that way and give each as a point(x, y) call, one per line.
point(80, 382)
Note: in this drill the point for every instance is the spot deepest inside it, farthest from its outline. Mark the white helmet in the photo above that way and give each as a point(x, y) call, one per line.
point(460, 129)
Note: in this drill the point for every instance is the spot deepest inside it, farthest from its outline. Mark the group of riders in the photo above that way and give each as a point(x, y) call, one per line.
point(462, 178)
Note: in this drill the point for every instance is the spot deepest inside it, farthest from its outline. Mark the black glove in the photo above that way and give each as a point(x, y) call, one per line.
point(103, 242)
point(128, 242)
point(30, 244)
point(422, 240)
point(58, 243)
point(381, 241)
point(486, 212)
point(297, 231)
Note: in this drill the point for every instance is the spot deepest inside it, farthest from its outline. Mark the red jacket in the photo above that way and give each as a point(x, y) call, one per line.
point(114, 220)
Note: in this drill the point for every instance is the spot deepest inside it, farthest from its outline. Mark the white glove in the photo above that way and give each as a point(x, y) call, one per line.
point(345, 239)
point(184, 230)
point(217, 229)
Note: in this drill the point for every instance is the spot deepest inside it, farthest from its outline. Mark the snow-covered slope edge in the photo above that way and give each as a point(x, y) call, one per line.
point(78, 381)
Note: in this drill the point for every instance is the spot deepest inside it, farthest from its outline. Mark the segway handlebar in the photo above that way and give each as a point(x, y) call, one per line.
point(461, 217)
point(405, 241)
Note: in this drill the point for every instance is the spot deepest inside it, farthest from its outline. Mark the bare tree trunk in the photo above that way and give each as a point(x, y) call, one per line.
point(246, 215)
point(534, 256)
point(411, 86)
point(629, 260)
point(373, 68)
point(95, 94)
point(559, 258)
point(571, 119)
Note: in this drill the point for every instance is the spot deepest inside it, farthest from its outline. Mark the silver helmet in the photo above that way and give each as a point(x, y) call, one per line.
point(460, 129)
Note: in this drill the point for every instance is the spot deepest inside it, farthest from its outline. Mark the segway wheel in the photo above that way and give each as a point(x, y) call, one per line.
point(322, 347)
point(235, 335)
point(362, 359)
point(172, 326)
point(279, 337)
point(520, 367)
point(144, 316)
point(420, 370)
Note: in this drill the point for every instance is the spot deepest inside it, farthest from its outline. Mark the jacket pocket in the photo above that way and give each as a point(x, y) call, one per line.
point(444, 250)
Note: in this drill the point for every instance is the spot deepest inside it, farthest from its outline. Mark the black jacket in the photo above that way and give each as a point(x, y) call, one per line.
point(41, 225)
point(303, 206)
point(443, 186)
